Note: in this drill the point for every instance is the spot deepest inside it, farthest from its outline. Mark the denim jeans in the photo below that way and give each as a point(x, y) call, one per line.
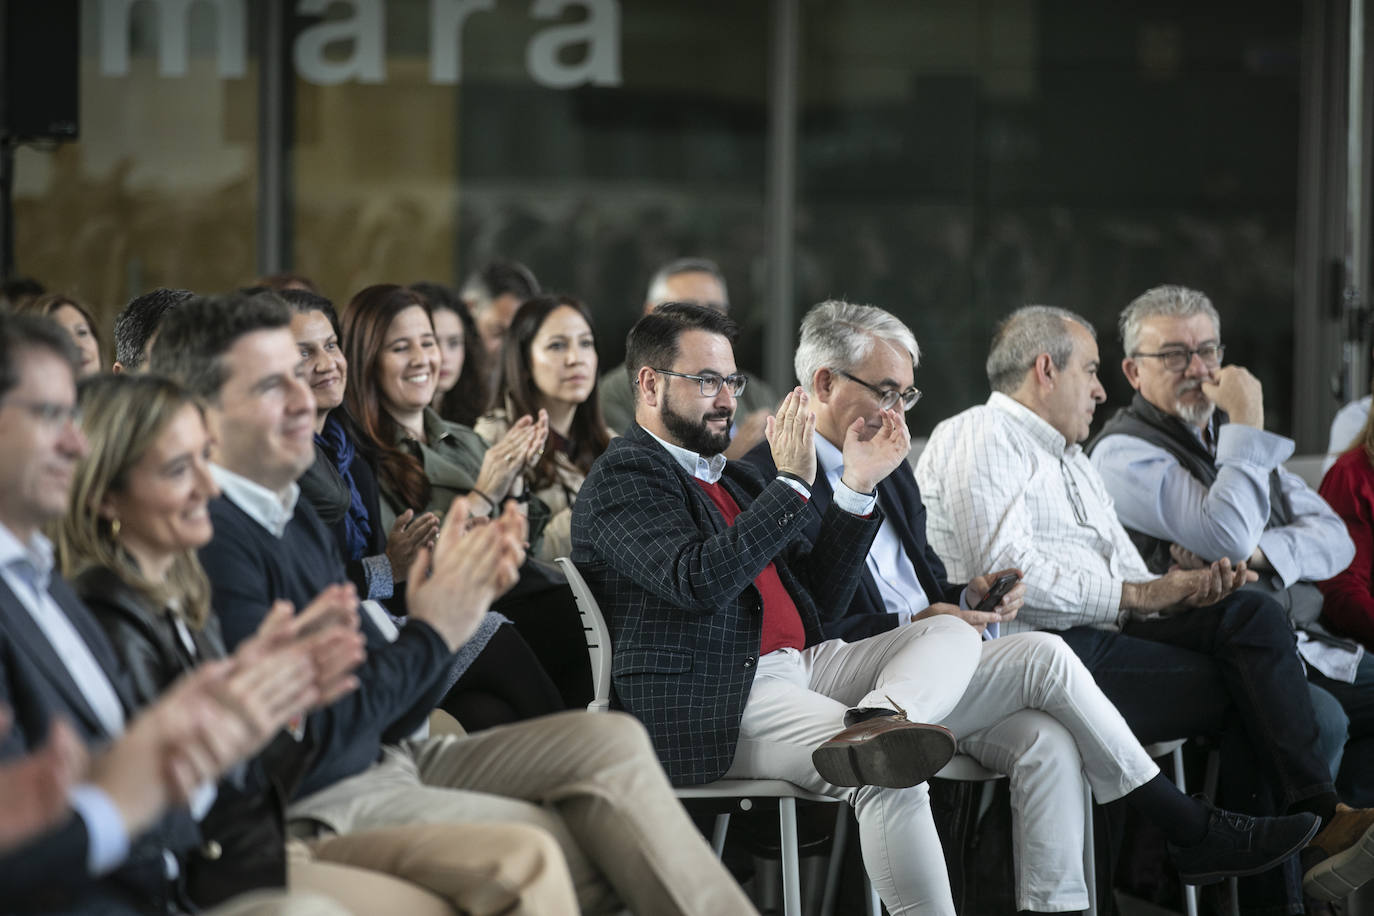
point(1231, 671)
point(1355, 783)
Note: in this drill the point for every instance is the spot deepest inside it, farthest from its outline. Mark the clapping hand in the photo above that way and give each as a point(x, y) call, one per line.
point(868, 461)
point(791, 437)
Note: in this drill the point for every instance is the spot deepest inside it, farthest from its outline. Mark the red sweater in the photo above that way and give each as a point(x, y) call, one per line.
point(1349, 605)
point(782, 624)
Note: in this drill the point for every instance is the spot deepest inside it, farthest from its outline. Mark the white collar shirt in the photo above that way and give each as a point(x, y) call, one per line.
point(1002, 488)
point(272, 511)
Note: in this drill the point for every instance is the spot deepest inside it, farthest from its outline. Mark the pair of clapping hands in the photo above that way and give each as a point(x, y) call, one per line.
point(500, 476)
point(217, 715)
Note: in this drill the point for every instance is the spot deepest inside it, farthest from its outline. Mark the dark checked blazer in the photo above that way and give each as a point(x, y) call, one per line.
point(900, 499)
point(49, 874)
point(675, 583)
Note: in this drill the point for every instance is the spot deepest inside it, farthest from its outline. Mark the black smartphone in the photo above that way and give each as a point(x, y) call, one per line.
point(1003, 584)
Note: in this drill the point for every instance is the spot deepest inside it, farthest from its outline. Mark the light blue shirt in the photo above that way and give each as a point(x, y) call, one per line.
point(1156, 494)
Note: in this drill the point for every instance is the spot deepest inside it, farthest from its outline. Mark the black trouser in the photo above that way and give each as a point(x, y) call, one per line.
point(505, 683)
point(545, 613)
point(1229, 670)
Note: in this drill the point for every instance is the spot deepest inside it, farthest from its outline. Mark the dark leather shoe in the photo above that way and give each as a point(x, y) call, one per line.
point(1341, 857)
point(1237, 844)
point(884, 751)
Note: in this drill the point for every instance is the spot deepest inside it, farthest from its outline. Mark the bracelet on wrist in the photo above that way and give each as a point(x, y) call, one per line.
point(492, 506)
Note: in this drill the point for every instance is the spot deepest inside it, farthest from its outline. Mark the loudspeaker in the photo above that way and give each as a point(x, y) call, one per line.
point(41, 61)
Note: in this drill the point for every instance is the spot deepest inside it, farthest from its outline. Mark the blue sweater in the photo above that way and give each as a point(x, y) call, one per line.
point(399, 683)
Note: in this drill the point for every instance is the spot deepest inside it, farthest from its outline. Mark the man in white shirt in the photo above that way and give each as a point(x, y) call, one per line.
point(1007, 484)
point(1195, 476)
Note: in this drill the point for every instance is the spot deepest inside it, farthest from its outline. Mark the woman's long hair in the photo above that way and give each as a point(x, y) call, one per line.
point(588, 434)
point(365, 323)
point(469, 397)
point(123, 415)
point(49, 303)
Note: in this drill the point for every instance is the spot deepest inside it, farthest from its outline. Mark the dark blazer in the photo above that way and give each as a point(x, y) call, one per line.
point(676, 584)
point(900, 499)
point(36, 686)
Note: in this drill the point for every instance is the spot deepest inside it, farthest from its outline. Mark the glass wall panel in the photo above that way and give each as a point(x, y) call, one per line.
point(960, 159)
point(160, 189)
point(590, 140)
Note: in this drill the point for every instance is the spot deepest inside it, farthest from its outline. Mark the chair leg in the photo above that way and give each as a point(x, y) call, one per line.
point(1189, 890)
point(1089, 849)
point(791, 866)
point(838, 841)
point(718, 832)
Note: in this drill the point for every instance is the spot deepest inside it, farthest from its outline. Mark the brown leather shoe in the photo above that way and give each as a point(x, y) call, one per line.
point(1345, 848)
point(886, 751)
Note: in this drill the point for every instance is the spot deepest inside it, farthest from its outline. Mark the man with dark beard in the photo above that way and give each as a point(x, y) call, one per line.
point(1195, 477)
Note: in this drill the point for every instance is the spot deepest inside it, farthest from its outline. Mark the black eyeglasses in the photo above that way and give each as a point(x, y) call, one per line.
point(888, 397)
point(711, 383)
point(1176, 360)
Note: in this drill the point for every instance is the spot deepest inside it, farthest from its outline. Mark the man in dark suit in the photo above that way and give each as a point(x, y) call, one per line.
point(115, 846)
point(716, 597)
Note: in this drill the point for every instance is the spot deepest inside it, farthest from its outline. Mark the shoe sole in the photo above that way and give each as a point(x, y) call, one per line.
point(1213, 877)
point(896, 759)
point(1337, 877)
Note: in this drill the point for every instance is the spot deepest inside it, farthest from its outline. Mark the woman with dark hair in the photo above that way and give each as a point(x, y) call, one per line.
point(76, 320)
point(462, 392)
point(423, 462)
point(340, 486)
point(549, 364)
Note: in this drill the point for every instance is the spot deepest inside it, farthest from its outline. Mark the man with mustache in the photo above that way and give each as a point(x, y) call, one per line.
point(1196, 477)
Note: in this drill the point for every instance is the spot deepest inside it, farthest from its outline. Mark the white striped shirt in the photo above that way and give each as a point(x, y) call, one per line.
point(1002, 488)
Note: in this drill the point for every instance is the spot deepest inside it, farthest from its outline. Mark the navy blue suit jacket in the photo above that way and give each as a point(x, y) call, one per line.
point(676, 584)
point(900, 500)
point(50, 872)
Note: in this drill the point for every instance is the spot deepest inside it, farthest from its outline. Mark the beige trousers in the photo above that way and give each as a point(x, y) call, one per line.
point(473, 869)
point(279, 903)
point(591, 780)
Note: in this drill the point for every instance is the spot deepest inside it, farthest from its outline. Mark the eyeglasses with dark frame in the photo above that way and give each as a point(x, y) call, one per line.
point(711, 383)
point(888, 397)
point(1177, 359)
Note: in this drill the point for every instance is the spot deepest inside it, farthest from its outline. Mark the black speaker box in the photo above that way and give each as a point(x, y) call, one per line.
point(40, 75)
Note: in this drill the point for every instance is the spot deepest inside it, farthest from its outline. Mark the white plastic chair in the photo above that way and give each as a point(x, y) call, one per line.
point(743, 790)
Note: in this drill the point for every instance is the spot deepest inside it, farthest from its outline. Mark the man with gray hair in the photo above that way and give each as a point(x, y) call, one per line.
point(1007, 483)
point(696, 280)
point(1196, 477)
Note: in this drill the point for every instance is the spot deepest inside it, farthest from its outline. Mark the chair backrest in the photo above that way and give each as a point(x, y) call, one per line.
point(597, 633)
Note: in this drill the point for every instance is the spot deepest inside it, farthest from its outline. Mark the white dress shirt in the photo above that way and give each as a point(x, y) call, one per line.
point(1002, 488)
